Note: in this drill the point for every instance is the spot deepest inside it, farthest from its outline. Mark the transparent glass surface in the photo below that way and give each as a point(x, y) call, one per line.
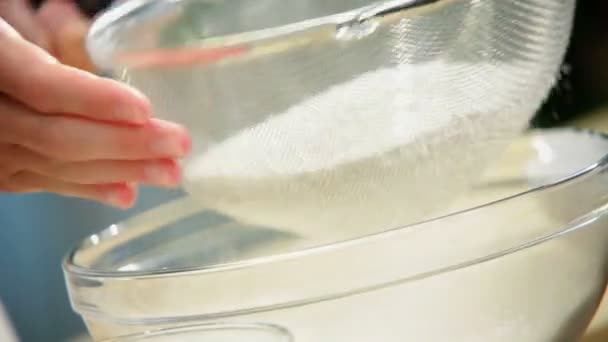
point(522, 257)
point(305, 114)
point(211, 333)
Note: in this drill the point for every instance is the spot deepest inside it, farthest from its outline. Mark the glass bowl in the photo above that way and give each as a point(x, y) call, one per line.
point(305, 114)
point(211, 333)
point(522, 257)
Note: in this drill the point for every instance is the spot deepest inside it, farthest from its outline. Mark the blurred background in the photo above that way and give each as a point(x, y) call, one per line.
point(37, 230)
point(583, 87)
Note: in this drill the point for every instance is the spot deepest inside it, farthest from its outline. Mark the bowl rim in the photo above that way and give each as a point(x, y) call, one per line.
point(93, 292)
point(275, 330)
point(104, 54)
point(77, 270)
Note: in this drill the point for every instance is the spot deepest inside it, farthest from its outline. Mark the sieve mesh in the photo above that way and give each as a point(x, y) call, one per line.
point(309, 120)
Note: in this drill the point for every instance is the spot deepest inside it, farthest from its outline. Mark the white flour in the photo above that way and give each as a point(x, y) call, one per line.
point(382, 150)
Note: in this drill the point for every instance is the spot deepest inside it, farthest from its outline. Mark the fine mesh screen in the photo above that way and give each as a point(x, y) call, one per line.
point(334, 118)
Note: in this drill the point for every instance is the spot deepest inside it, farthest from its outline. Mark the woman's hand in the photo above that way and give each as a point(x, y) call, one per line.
point(67, 131)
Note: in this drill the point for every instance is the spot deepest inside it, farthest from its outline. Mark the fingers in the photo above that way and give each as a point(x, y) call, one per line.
point(51, 87)
point(158, 172)
point(163, 173)
point(68, 138)
point(121, 195)
point(67, 131)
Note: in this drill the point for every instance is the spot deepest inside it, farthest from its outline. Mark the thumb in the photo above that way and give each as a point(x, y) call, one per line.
point(69, 28)
point(21, 16)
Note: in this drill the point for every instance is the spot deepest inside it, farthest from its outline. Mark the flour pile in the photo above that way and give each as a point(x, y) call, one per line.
point(385, 149)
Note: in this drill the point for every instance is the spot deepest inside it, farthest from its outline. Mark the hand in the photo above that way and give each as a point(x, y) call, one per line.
point(67, 131)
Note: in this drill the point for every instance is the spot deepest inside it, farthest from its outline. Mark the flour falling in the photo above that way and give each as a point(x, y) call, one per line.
point(385, 149)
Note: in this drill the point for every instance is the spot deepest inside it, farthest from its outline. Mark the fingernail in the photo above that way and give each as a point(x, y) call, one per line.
point(173, 144)
point(162, 174)
point(186, 143)
point(132, 114)
point(141, 96)
point(138, 112)
point(120, 196)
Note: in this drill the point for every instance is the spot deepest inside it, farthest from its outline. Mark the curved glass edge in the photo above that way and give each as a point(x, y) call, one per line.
point(273, 332)
point(98, 43)
point(103, 40)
